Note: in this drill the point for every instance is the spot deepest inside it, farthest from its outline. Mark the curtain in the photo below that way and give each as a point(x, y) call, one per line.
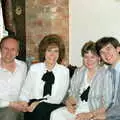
point(7, 8)
point(3, 32)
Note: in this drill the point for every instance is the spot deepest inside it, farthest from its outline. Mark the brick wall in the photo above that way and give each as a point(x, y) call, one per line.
point(44, 17)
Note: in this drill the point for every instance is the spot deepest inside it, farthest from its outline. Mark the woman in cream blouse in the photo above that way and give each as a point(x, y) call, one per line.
point(47, 82)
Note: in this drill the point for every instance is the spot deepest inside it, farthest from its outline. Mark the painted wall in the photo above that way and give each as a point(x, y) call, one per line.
point(91, 20)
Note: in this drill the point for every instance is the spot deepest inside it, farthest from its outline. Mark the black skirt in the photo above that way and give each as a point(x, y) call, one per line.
point(42, 111)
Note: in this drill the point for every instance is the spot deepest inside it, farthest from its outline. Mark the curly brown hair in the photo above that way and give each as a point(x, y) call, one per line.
point(52, 41)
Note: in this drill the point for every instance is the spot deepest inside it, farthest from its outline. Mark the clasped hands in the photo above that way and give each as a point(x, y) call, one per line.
point(96, 115)
point(23, 106)
point(71, 107)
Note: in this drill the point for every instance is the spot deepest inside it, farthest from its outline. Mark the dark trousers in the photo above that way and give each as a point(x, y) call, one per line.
point(42, 111)
point(10, 114)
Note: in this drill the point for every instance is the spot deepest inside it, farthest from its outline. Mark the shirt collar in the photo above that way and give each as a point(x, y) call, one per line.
point(17, 65)
point(53, 70)
point(117, 67)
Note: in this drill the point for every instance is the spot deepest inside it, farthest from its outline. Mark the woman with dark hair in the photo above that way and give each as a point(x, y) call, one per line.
point(47, 82)
point(51, 41)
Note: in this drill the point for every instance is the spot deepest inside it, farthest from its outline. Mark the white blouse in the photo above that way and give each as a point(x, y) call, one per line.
point(34, 86)
point(82, 106)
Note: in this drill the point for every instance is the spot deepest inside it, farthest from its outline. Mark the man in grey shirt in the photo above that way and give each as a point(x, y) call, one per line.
point(109, 48)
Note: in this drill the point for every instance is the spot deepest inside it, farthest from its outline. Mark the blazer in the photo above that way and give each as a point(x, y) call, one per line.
point(100, 94)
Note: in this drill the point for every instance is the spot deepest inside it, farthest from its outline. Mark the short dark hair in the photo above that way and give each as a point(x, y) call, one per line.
point(88, 46)
point(6, 38)
point(105, 41)
point(51, 40)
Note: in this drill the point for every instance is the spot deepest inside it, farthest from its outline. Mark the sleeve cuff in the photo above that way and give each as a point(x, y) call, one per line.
point(4, 104)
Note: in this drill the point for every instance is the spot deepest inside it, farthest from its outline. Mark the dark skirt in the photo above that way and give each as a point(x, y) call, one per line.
point(42, 111)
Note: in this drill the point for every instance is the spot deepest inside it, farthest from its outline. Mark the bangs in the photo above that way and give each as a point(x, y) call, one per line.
point(53, 45)
point(91, 51)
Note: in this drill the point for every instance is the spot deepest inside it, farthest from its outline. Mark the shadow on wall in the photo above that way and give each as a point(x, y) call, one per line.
point(71, 70)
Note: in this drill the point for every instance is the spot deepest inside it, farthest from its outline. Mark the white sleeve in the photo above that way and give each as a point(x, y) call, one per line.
point(27, 87)
point(24, 74)
point(4, 103)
